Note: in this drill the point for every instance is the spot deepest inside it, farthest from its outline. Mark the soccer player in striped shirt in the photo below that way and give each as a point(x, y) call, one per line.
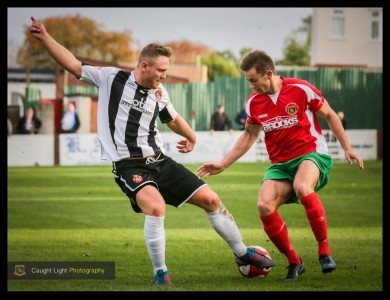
point(128, 106)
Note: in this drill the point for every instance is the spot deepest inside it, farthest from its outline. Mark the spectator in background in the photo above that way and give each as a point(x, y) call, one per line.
point(241, 117)
point(70, 121)
point(220, 120)
point(29, 123)
point(342, 119)
point(9, 127)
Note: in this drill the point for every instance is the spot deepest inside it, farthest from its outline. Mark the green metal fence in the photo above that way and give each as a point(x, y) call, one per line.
point(357, 92)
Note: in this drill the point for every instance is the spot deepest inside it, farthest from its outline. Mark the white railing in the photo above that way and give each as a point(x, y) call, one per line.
point(84, 149)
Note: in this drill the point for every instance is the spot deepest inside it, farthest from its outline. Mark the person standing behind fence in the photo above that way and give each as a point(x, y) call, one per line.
point(220, 121)
point(70, 121)
point(241, 117)
point(342, 119)
point(29, 123)
point(9, 127)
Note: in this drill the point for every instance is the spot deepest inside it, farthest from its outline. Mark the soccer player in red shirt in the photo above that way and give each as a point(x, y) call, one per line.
point(287, 110)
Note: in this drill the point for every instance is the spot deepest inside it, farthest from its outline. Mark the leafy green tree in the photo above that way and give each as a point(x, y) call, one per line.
point(244, 51)
point(297, 46)
point(229, 56)
point(218, 65)
point(83, 37)
point(295, 54)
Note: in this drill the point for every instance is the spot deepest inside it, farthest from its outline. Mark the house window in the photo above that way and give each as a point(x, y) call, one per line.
point(376, 25)
point(338, 23)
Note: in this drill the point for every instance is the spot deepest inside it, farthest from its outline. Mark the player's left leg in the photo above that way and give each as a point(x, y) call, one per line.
point(304, 184)
point(179, 185)
point(316, 215)
point(223, 223)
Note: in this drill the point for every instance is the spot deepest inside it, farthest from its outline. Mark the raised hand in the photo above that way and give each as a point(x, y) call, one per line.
point(37, 29)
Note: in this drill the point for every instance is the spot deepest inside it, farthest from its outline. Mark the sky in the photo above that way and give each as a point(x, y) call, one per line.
point(219, 28)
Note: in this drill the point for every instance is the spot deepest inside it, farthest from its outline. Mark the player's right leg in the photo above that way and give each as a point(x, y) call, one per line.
point(135, 179)
point(295, 270)
point(272, 194)
point(152, 204)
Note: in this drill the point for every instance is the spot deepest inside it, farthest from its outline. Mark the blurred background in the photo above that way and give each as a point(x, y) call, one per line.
point(339, 50)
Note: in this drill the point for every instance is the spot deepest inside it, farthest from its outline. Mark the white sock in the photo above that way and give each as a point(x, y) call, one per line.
point(154, 234)
point(223, 223)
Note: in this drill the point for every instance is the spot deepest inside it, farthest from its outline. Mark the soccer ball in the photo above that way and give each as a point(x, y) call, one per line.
point(251, 271)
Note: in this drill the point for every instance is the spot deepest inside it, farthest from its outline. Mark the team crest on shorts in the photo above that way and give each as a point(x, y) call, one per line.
point(158, 94)
point(137, 178)
point(291, 108)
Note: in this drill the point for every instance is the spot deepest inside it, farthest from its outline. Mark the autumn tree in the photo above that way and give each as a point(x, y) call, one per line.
point(83, 37)
point(185, 51)
point(13, 47)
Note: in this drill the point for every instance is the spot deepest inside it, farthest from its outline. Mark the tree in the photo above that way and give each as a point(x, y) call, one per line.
point(296, 51)
point(185, 51)
point(229, 57)
point(219, 66)
point(83, 37)
point(219, 63)
point(13, 47)
point(244, 51)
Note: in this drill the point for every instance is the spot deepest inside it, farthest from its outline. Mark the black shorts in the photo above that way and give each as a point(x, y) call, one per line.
point(175, 183)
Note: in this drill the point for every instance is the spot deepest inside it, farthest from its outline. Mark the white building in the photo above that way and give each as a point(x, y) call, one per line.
point(347, 37)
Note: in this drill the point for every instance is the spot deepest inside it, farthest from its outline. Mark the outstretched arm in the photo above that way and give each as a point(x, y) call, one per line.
point(243, 144)
point(59, 53)
point(337, 128)
point(181, 127)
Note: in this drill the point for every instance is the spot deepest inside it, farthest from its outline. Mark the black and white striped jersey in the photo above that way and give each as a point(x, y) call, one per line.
point(127, 113)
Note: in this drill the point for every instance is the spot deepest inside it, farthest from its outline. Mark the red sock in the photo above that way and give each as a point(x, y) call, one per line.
point(316, 215)
point(276, 230)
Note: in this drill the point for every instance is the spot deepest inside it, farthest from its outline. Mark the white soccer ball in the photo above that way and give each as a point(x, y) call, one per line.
point(251, 271)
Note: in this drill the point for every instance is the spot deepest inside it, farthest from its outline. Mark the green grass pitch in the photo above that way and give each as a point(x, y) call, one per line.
point(80, 214)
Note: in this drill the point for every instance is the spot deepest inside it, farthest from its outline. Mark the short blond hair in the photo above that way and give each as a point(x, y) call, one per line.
point(152, 51)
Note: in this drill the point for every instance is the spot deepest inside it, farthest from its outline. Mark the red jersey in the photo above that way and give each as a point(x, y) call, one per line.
point(288, 118)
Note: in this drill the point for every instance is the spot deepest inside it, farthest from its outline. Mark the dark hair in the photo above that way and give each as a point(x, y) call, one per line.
point(152, 51)
point(259, 60)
